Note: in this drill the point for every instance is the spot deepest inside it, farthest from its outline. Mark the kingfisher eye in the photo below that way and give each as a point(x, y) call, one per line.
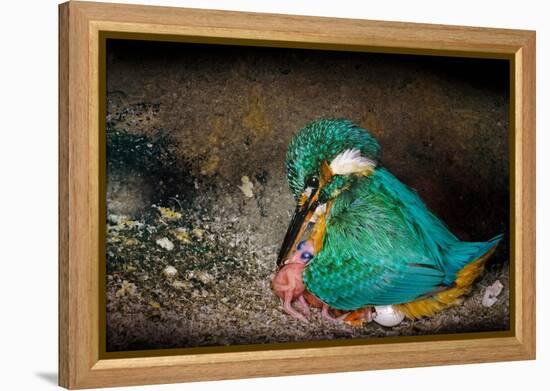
point(312, 181)
point(306, 256)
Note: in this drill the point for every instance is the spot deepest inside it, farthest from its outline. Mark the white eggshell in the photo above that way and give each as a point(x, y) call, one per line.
point(387, 316)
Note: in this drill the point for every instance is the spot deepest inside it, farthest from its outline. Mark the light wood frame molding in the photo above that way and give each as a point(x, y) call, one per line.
point(81, 364)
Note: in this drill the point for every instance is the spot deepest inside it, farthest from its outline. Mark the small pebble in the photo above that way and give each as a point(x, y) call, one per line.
point(198, 233)
point(182, 284)
point(204, 277)
point(247, 187)
point(182, 235)
point(170, 272)
point(165, 243)
point(127, 289)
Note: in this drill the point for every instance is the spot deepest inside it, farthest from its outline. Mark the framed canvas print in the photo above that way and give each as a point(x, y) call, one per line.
point(247, 195)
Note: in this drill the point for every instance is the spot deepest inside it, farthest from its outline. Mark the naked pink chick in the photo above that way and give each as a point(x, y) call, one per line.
point(288, 285)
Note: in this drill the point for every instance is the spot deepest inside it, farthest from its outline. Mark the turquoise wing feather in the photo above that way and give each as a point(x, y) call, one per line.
point(383, 246)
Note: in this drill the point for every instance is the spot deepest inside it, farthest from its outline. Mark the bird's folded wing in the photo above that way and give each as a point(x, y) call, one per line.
point(374, 252)
point(347, 281)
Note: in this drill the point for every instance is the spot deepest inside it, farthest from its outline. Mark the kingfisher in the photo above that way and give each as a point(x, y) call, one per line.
point(375, 241)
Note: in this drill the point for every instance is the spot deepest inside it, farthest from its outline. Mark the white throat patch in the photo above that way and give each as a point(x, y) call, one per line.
point(321, 210)
point(351, 162)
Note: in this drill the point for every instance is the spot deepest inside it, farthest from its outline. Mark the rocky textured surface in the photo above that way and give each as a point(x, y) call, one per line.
point(187, 123)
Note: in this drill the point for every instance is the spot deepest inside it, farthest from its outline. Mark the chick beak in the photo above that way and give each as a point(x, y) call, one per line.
point(305, 208)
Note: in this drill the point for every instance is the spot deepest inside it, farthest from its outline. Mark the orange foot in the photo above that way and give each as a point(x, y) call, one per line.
point(359, 317)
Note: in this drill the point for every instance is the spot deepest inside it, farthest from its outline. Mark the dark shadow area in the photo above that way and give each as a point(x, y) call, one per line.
point(48, 377)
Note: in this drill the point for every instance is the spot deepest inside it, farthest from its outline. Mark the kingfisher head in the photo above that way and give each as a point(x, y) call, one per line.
point(323, 159)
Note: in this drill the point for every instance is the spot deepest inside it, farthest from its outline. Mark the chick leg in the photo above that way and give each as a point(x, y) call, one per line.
point(303, 305)
point(327, 316)
point(287, 305)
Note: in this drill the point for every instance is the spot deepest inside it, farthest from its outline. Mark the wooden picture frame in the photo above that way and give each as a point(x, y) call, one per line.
point(83, 25)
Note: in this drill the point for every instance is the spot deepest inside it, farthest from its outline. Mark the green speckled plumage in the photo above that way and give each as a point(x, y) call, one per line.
point(382, 244)
point(323, 140)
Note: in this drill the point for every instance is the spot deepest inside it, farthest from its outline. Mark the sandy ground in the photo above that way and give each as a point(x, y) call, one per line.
point(176, 279)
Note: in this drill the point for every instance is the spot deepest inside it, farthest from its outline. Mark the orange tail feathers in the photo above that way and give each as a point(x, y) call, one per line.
point(449, 297)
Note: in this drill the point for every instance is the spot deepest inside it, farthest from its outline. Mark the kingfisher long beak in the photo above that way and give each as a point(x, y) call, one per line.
point(304, 211)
